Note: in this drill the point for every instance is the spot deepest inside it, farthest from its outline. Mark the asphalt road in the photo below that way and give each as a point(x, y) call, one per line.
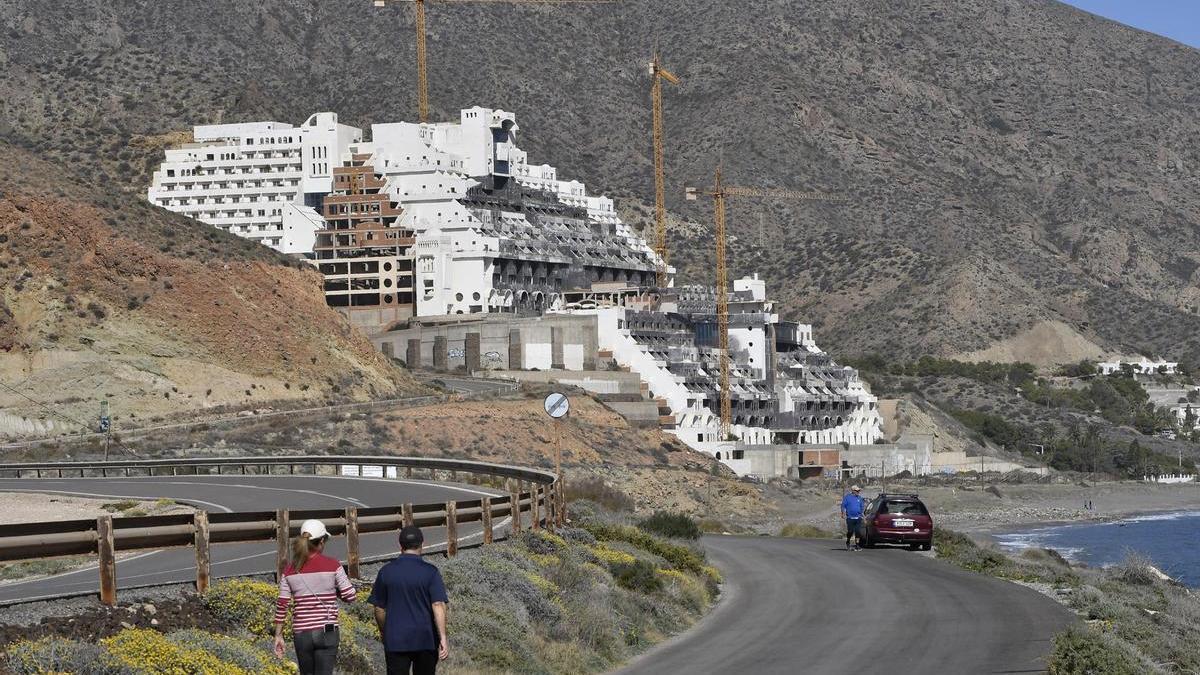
point(810, 606)
point(237, 493)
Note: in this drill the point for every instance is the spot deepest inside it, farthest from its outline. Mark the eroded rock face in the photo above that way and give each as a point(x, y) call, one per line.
point(89, 313)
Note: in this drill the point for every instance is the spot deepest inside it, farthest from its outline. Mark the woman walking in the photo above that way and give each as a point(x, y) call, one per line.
point(312, 584)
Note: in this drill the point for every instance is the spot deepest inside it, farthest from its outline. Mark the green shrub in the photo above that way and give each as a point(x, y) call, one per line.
point(668, 524)
point(637, 576)
point(682, 557)
point(806, 531)
point(1080, 651)
point(597, 491)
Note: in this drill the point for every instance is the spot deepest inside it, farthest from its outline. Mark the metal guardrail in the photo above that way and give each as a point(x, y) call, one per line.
point(530, 491)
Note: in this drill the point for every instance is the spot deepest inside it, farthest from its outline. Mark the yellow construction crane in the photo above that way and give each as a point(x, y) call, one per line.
point(719, 192)
point(422, 78)
point(658, 74)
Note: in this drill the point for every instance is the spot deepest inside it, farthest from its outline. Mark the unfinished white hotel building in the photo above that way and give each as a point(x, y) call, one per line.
point(445, 219)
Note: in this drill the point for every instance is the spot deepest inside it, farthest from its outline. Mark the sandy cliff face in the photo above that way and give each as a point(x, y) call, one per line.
point(87, 312)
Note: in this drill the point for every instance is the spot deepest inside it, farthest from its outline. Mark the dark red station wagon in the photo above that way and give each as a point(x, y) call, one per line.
point(897, 519)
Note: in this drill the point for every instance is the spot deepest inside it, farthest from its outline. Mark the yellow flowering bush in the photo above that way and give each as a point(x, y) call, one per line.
point(246, 603)
point(240, 653)
point(544, 560)
point(149, 651)
point(55, 655)
point(690, 590)
point(544, 585)
point(610, 556)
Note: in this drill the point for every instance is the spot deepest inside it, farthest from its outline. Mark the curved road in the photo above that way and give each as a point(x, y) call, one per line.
point(810, 606)
point(236, 493)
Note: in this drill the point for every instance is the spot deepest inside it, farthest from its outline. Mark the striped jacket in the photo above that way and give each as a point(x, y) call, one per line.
point(314, 591)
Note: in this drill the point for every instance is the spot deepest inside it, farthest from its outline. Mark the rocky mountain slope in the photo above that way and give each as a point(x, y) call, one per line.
point(1015, 167)
point(111, 298)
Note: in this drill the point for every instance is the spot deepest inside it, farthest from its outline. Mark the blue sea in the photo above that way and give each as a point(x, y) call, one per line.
point(1170, 540)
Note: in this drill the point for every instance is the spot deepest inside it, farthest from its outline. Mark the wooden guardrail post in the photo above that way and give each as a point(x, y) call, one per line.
point(352, 542)
point(451, 529)
point(534, 513)
point(514, 501)
point(561, 492)
point(203, 560)
point(282, 535)
point(108, 560)
point(406, 516)
point(487, 520)
point(549, 508)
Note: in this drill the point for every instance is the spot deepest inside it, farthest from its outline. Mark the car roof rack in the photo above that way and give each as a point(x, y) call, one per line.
point(899, 494)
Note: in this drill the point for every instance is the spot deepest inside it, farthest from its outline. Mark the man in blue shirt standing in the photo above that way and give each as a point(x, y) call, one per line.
point(852, 511)
point(410, 608)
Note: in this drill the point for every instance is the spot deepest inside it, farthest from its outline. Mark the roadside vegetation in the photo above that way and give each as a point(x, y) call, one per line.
point(579, 600)
point(1075, 394)
point(1135, 620)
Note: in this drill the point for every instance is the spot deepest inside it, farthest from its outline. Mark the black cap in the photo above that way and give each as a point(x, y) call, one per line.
point(411, 537)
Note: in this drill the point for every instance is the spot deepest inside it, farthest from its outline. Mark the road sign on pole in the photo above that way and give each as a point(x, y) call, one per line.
point(557, 405)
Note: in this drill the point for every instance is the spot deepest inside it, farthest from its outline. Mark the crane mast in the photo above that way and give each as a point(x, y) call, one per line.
point(719, 192)
point(658, 74)
point(422, 55)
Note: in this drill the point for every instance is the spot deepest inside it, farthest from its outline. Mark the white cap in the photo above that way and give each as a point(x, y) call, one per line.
point(315, 529)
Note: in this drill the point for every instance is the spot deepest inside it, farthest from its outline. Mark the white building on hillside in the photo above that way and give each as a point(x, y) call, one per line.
point(1141, 367)
point(247, 178)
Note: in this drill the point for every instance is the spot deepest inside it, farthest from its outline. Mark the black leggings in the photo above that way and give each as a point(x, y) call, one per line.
point(418, 663)
point(316, 651)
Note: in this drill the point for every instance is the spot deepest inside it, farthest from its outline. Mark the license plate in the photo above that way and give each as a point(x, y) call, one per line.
point(902, 523)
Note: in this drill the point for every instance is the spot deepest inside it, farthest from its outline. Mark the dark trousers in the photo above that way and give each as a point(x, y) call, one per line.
point(316, 651)
point(852, 528)
point(417, 663)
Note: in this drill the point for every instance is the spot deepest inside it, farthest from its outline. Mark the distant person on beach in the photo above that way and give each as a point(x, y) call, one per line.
point(852, 511)
point(410, 609)
point(312, 583)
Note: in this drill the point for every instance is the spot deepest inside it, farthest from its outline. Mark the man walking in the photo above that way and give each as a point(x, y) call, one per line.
point(410, 608)
point(852, 511)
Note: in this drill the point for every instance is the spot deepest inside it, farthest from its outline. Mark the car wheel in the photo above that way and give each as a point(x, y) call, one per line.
point(913, 547)
point(926, 547)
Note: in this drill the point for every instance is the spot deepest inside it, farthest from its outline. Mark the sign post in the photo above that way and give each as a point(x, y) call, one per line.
point(557, 406)
point(105, 425)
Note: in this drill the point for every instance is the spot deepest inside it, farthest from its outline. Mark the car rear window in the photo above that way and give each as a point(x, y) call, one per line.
point(903, 508)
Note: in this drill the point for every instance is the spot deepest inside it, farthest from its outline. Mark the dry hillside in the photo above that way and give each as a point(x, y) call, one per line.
point(108, 298)
point(1009, 163)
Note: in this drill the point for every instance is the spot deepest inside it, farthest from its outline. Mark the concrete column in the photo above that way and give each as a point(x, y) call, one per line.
point(515, 354)
point(591, 345)
point(556, 349)
point(439, 353)
point(414, 354)
point(388, 348)
point(471, 352)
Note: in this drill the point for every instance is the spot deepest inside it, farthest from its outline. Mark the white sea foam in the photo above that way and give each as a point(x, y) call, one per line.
point(1174, 515)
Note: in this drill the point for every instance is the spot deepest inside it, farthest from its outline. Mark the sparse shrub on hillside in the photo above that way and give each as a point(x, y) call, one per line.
point(1082, 651)
point(806, 531)
point(597, 491)
point(637, 576)
point(669, 524)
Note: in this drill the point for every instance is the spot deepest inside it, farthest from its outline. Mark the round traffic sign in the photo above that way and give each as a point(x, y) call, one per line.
point(557, 405)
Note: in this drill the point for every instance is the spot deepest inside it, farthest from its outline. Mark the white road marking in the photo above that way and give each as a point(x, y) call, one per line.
point(72, 493)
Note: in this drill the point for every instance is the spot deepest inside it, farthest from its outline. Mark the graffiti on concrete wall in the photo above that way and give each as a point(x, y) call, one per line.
point(456, 353)
point(492, 361)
